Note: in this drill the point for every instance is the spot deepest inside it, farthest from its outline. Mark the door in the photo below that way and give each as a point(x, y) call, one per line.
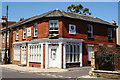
point(23, 54)
point(53, 58)
point(90, 49)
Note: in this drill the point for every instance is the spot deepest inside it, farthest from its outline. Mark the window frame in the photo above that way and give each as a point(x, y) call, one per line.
point(72, 54)
point(110, 33)
point(35, 53)
point(53, 21)
point(17, 53)
point(17, 34)
point(24, 32)
point(29, 33)
point(35, 29)
point(90, 30)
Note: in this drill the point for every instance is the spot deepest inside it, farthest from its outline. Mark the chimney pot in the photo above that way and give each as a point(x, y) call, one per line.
point(21, 19)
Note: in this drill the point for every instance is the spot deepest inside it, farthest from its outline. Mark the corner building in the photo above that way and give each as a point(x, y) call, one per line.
point(59, 39)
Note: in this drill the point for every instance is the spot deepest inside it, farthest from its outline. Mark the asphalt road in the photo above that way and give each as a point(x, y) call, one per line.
point(8, 74)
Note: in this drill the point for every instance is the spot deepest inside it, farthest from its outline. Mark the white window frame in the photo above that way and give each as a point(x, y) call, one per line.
point(3, 38)
point(24, 32)
point(72, 54)
point(72, 31)
point(35, 53)
point(109, 33)
point(17, 34)
point(53, 28)
point(35, 29)
point(17, 53)
point(90, 30)
point(28, 32)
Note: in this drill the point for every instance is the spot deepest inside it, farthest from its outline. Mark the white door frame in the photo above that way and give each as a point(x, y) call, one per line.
point(52, 59)
point(23, 55)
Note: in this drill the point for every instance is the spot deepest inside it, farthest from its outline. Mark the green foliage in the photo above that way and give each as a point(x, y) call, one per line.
point(105, 59)
point(78, 9)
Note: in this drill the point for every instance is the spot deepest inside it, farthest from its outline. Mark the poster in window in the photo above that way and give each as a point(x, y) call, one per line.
point(29, 32)
point(72, 29)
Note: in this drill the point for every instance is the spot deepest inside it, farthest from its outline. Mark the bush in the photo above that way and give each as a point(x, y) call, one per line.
point(105, 59)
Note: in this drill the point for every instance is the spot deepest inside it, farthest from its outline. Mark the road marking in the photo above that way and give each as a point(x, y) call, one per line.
point(43, 74)
point(60, 76)
point(69, 77)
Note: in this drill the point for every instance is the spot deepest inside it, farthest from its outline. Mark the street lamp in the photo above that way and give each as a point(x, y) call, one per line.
point(6, 49)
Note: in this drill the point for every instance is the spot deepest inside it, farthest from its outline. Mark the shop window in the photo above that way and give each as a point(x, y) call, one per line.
point(17, 53)
point(72, 53)
point(35, 53)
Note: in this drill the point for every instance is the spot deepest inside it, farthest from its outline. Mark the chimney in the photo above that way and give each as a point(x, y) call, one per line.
point(21, 19)
point(113, 22)
point(4, 19)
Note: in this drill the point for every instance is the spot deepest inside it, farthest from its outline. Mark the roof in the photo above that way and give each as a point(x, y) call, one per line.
point(62, 13)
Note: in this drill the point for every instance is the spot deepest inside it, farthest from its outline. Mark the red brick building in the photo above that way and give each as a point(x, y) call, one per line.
point(3, 36)
point(59, 39)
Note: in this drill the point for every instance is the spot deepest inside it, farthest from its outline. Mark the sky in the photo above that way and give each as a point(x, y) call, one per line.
point(107, 11)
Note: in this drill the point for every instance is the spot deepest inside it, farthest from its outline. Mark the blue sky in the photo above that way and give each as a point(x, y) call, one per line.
point(107, 11)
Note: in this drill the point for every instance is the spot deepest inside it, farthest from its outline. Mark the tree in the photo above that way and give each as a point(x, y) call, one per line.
point(78, 9)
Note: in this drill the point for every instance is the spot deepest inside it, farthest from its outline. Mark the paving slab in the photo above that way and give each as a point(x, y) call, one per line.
point(31, 69)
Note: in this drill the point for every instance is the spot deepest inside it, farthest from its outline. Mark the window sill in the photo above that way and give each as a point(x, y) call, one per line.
point(16, 40)
point(110, 40)
point(24, 39)
point(35, 37)
point(34, 62)
point(72, 62)
point(91, 38)
point(16, 60)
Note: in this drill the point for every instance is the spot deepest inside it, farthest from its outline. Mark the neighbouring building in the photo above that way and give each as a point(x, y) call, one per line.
point(59, 39)
point(3, 37)
point(118, 35)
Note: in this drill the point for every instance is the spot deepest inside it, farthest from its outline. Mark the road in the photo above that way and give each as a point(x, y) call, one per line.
point(8, 74)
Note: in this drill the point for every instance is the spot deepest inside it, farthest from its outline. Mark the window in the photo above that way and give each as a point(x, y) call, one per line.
point(24, 32)
point(17, 53)
point(17, 34)
point(35, 30)
point(3, 38)
point(72, 29)
point(90, 31)
point(35, 53)
point(109, 34)
point(53, 27)
point(28, 31)
point(72, 53)
point(53, 54)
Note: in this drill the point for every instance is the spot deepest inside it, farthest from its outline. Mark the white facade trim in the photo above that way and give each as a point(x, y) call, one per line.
point(28, 55)
point(81, 64)
point(46, 56)
point(41, 55)
point(64, 56)
point(60, 55)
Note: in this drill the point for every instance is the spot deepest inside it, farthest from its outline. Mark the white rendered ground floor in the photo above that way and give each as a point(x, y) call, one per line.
point(48, 53)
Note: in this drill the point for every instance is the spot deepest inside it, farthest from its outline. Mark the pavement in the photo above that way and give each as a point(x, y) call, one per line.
point(38, 70)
